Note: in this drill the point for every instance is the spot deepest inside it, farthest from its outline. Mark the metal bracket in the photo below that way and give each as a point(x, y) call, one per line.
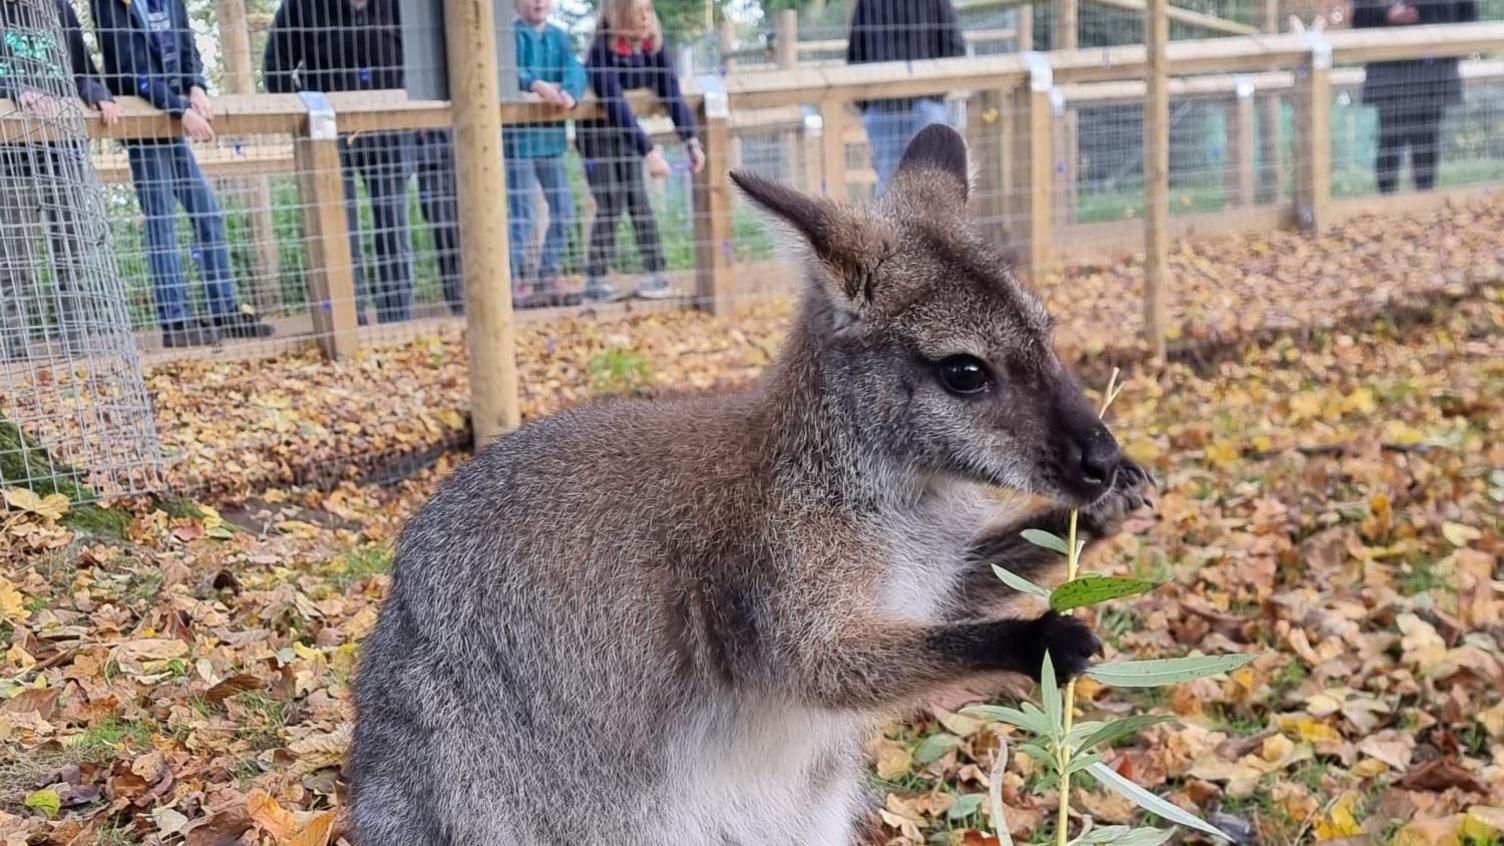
point(1041, 75)
point(717, 105)
point(1243, 87)
point(322, 125)
point(813, 123)
point(1321, 49)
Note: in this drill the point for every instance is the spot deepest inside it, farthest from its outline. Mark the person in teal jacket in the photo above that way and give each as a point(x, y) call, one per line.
point(548, 67)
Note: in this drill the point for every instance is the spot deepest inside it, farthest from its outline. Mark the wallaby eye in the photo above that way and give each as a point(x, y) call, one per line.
point(964, 375)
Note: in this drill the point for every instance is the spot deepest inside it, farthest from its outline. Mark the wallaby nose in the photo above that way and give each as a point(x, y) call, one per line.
point(1100, 457)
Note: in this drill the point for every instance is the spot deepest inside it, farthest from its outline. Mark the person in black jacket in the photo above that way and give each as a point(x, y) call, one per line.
point(35, 196)
point(356, 45)
point(901, 31)
point(1411, 94)
point(628, 53)
point(149, 51)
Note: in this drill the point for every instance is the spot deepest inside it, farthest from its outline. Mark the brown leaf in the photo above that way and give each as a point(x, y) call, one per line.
point(1438, 775)
point(239, 683)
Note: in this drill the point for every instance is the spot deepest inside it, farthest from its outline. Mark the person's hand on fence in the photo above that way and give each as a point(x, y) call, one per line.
point(566, 100)
point(37, 103)
point(550, 94)
point(696, 152)
point(1402, 13)
point(657, 165)
point(199, 102)
point(109, 112)
point(197, 127)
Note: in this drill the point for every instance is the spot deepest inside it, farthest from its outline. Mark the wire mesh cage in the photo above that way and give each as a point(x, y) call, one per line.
point(74, 417)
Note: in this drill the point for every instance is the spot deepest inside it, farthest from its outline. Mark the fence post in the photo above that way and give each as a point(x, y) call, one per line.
point(470, 29)
point(235, 42)
point(987, 114)
point(788, 38)
point(833, 152)
point(712, 191)
point(1023, 23)
point(1034, 173)
point(1271, 151)
point(321, 192)
point(1313, 135)
point(1241, 172)
point(1156, 175)
point(811, 134)
point(726, 42)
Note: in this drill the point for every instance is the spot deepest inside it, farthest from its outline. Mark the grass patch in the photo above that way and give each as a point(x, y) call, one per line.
point(618, 372)
point(25, 463)
point(357, 565)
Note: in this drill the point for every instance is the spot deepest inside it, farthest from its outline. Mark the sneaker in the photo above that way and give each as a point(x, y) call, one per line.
point(189, 333)
point(243, 324)
point(600, 290)
point(552, 290)
point(654, 286)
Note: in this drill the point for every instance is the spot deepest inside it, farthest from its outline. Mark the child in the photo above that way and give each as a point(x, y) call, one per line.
point(34, 73)
point(546, 66)
point(149, 51)
point(628, 53)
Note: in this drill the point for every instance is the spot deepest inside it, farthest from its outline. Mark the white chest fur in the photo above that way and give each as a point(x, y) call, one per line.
point(926, 547)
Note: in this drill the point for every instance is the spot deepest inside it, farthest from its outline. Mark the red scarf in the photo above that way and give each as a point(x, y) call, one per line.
point(623, 47)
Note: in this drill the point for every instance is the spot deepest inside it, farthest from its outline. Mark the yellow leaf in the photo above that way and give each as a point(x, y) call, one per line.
point(1459, 535)
point(51, 507)
point(1360, 401)
point(1445, 831)
point(1305, 405)
point(1144, 452)
point(12, 604)
point(893, 760)
point(315, 832)
point(1222, 453)
point(265, 812)
point(1339, 822)
point(1483, 822)
point(1402, 433)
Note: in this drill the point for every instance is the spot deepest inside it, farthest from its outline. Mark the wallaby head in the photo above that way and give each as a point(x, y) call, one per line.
point(920, 334)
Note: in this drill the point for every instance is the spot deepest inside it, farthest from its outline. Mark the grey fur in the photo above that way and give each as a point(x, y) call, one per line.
point(675, 622)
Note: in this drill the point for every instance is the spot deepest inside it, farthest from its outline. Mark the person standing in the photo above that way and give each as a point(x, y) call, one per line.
point(628, 54)
point(148, 51)
point(547, 67)
point(438, 200)
point(34, 75)
point(1411, 94)
point(901, 31)
point(356, 45)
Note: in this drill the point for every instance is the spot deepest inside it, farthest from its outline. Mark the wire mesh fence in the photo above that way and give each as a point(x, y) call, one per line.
point(74, 418)
point(239, 231)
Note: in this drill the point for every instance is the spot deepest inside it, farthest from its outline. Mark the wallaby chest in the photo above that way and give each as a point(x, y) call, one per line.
point(924, 550)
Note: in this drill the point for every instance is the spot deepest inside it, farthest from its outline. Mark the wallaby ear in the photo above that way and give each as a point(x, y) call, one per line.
point(938, 147)
point(851, 246)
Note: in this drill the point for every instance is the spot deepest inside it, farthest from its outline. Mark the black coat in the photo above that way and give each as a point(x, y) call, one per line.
point(330, 45)
point(902, 31)
point(30, 59)
point(1413, 84)
point(132, 62)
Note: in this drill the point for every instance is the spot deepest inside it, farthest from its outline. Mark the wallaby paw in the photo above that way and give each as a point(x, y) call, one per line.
point(1132, 489)
point(1070, 643)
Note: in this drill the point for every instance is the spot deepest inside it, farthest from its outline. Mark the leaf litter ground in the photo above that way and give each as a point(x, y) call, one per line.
point(1330, 501)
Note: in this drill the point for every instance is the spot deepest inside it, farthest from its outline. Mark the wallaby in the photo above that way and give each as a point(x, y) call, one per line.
point(675, 622)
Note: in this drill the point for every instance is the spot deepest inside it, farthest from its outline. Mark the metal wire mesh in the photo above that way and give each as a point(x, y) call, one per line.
point(265, 240)
point(73, 412)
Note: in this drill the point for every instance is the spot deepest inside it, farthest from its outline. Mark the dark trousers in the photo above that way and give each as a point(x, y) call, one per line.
point(384, 161)
point(616, 183)
point(437, 197)
point(1416, 128)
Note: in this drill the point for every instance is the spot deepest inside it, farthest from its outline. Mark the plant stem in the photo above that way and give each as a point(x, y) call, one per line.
point(1072, 566)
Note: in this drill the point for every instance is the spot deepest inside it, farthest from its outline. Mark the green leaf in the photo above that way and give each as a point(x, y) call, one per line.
point(1036, 749)
point(1149, 802)
point(1012, 716)
point(1019, 583)
point(1089, 590)
point(220, 532)
point(1049, 693)
point(1165, 671)
point(965, 805)
point(47, 801)
point(1048, 540)
point(1122, 728)
point(934, 748)
point(1122, 835)
point(1081, 760)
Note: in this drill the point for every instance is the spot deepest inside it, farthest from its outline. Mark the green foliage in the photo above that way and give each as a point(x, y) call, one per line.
point(618, 371)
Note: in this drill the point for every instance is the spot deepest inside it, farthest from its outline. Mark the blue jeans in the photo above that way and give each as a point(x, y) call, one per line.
point(384, 161)
point(437, 199)
point(165, 174)
point(891, 125)
point(525, 175)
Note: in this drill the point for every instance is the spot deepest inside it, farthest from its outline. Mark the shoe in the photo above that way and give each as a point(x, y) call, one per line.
point(600, 290)
point(243, 324)
point(189, 333)
point(654, 286)
point(552, 291)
